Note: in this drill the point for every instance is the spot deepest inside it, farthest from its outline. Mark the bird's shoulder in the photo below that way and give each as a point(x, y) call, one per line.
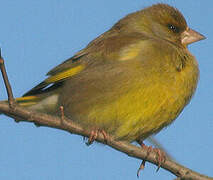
point(104, 47)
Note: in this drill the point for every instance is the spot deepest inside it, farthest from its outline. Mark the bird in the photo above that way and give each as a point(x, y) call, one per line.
point(130, 82)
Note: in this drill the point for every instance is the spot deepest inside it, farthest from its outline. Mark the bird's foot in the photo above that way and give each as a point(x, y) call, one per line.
point(160, 155)
point(94, 135)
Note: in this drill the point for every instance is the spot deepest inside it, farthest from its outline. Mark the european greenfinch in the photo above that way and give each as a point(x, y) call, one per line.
point(130, 82)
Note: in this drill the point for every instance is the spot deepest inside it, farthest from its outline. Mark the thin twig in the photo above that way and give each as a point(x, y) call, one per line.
point(62, 114)
point(7, 83)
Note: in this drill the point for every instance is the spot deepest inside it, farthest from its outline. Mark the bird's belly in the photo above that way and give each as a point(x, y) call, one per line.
point(131, 106)
point(136, 113)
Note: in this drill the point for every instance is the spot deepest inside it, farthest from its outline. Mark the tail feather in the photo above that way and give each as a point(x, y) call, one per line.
point(47, 104)
point(27, 100)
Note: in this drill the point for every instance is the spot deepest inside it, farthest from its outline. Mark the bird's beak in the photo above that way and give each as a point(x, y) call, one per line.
point(190, 36)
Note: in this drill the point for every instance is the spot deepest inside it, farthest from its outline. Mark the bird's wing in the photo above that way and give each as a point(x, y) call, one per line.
point(97, 50)
point(57, 75)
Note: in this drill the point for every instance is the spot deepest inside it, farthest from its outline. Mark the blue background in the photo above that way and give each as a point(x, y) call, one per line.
point(37, 35)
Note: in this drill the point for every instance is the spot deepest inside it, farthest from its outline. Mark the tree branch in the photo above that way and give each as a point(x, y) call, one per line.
point(6, 82)
point(23, 114)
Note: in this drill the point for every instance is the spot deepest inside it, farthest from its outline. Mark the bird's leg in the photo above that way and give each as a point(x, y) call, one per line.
point(161, 157)
point(105, 135)
point(149, 149)
point(94, 134)
point(92, 137)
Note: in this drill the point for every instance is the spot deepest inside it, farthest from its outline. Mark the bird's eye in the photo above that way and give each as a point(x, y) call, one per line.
point(175, 29)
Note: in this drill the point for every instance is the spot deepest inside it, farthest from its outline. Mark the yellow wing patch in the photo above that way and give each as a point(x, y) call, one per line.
point(131, 51)
point(64, 74)
point(27, 100)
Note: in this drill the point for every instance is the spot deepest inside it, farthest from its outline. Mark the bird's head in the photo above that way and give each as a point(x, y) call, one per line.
point(160, 21)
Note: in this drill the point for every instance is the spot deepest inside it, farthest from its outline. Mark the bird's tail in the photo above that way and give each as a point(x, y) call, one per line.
point(27, 101)
point(46, 104)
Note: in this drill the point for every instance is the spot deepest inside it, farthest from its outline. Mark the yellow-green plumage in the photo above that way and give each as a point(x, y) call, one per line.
point(133, 98)
point(130, 82)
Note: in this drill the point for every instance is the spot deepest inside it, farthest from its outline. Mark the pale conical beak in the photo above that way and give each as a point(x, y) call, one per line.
point(190, 36)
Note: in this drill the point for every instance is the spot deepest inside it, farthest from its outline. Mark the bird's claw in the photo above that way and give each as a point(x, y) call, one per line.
point(94, 135)
point(160, 155)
